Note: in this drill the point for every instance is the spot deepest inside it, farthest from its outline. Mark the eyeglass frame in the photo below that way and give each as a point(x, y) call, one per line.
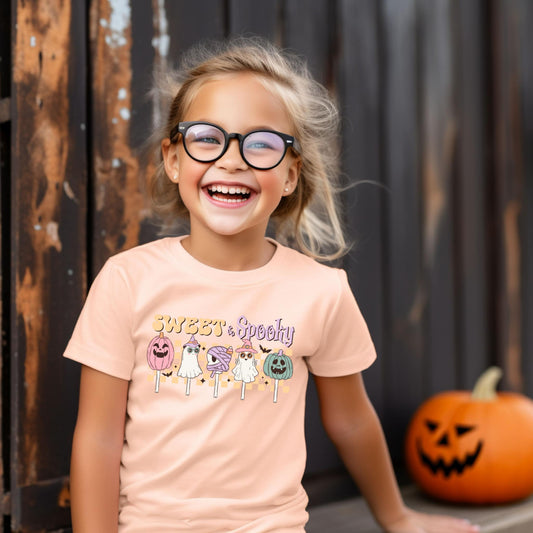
point(288, 141)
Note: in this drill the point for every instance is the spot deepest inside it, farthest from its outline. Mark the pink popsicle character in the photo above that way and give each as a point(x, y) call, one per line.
point(160, 355)
point(245, 368)
point(218, 360)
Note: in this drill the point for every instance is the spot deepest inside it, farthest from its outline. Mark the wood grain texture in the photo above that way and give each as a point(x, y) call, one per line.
point(511, 39)
point(406, 297)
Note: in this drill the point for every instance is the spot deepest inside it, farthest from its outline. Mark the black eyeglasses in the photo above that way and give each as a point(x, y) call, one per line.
point(260, 149)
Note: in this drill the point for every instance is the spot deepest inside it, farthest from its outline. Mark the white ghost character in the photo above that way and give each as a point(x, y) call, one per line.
point(245, 368)
point(189, 367)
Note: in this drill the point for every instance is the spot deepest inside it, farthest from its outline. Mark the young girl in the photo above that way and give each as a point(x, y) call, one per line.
point(196, 349)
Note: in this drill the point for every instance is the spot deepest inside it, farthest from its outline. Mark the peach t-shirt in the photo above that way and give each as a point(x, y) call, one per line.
point(218, 366)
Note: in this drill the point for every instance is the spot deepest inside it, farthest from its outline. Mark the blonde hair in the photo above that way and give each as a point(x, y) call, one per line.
point(308, 219)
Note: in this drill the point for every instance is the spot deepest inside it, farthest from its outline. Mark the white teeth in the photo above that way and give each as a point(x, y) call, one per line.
point(229, 190)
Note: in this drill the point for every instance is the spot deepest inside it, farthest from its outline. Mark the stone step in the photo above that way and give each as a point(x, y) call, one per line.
point(350, 516)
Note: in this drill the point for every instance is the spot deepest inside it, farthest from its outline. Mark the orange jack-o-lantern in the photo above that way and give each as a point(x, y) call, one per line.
point(473, 447)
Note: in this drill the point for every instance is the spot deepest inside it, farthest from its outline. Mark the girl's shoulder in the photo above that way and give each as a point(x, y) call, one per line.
point(306, 269)
point(143, 257)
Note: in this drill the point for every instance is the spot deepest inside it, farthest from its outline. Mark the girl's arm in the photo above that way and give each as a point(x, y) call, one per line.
point(354, 428)
point(96, 451)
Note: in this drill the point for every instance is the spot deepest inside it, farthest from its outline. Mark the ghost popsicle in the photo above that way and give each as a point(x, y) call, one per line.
point(160, 355)
point(277, 366)
point(218, 360)
point(189, 367)
point(245, 368)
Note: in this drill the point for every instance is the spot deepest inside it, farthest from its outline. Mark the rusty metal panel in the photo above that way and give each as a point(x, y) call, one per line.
point(118, 205)
point(48, 273)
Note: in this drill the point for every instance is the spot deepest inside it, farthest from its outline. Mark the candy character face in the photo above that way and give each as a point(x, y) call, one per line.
point(160, 353)
point(278, 366)
point(218, 359)
point(245, 367)
point(189, 367)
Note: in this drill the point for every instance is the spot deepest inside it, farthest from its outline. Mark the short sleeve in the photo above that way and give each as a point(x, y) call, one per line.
point(102, 336)
point(346, 346)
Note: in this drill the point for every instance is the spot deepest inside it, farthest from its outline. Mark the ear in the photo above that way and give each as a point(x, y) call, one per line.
point(293, 174)
point(170, 159)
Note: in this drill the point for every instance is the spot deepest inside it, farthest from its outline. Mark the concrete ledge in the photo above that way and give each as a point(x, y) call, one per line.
point(353, 515)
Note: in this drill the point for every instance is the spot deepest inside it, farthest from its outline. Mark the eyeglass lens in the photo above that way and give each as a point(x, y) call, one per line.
point(260, 149)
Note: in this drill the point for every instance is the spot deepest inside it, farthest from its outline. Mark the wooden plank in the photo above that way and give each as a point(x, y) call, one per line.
point(118, 202)
point(5, 110)
point(406, 297)
point(473, 346)
point(525, 23)
point(188, 24)
point(313, 39)
point(255, 18)
point(308, 31)
point(359, 96)
point(4, 305)
point(439, 137)
point(5, 141)
point(48, 192)
point(509, 37)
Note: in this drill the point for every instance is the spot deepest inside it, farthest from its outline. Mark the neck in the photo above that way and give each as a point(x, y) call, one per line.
point(235, 252)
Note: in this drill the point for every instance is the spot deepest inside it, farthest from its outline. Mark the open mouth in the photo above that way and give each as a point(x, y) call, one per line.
point(229, 193)
point(455, 466)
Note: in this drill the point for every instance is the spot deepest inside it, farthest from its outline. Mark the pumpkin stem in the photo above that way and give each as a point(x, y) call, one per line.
point(485, 387)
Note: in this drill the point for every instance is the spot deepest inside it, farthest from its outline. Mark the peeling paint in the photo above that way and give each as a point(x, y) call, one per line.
point(69, 192)
point(119, 23)
point(52, 231)
point(161, 41)
point(125, 113)
point(161, 44)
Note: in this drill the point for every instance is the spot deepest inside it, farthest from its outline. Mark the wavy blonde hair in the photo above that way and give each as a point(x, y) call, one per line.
point(309, 218)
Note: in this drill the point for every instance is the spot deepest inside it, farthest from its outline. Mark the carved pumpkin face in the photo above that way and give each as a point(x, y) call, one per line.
point(474, 451)
point(278, 366)
point(160, 353)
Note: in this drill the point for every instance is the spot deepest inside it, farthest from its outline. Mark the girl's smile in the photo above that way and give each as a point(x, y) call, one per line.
point(229, 194)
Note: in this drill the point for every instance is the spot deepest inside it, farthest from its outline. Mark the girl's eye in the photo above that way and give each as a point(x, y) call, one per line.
point(258, 145)
point(204, 134)
point(210, 140)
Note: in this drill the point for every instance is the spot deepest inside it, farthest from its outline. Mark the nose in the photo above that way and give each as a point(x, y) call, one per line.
point(232, 160)
point(443, 441)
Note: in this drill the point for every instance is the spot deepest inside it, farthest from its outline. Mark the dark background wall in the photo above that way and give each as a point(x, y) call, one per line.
point(437, 105)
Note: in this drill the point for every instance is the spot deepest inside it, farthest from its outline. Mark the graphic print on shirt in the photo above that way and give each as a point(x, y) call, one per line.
point(218, 360)
point(245, 369)
point(278, 366)
point(160, 355)
point(252, 370)
point(189, 367)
